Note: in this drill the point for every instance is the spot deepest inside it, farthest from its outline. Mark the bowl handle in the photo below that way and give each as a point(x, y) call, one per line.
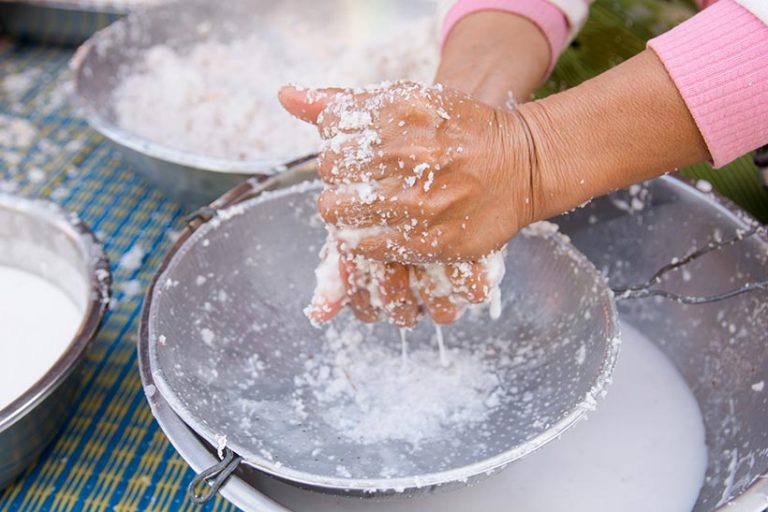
point(213, 478)
point(647, 289)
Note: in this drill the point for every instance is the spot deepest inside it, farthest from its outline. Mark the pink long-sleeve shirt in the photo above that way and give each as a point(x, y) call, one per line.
point(718, 60)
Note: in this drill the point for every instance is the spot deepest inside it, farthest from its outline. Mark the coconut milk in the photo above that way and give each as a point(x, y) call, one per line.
point(37, 322)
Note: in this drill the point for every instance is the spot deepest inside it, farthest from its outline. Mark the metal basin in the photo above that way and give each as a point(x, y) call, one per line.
point(252, 265)
point(719, 365)
point(68, 255)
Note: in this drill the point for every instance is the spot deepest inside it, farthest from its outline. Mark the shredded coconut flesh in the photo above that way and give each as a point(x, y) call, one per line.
point(132, 259)
point(219, 99)
point(375, 393)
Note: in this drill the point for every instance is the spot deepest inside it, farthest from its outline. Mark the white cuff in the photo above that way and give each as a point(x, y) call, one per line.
point(577, 11)
point(757, 7)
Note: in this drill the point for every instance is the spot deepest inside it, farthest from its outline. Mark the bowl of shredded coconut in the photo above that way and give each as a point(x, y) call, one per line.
point(188, 91)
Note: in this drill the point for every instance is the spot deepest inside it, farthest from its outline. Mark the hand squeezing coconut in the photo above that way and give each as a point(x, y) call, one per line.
point(400, 292)
point(424, 175)
point(400, 203)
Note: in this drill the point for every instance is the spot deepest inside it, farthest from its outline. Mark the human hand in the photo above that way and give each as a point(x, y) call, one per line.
point(568, 148)
point(401, 293)
point(418, 174)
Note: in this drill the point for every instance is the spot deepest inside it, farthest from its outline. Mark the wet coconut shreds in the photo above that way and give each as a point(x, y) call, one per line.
point(374, 394)
point(354, 139)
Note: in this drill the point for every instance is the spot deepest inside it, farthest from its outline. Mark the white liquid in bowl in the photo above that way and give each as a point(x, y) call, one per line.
point(641, 450)
point(37, 323)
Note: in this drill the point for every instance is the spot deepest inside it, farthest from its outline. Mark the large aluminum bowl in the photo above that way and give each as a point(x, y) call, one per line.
point(196, 179)
point(629, 246)
point(68, 255)
point(257, 271)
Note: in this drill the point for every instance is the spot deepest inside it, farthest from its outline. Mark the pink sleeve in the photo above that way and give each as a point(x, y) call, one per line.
point(548, 18)
point(719, 61)
point(543, 13)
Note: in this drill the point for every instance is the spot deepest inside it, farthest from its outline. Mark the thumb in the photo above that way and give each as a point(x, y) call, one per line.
point(306, 104)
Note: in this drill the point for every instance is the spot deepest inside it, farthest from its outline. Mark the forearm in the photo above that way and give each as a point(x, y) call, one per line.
point(490, 55)
point(625, 126)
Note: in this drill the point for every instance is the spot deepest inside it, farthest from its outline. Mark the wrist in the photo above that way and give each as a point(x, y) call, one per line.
point(517, 168)
point(490, 55)
point(608, 133)
point(554, 186)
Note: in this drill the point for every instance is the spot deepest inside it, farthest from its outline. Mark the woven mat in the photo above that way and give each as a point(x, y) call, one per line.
point(111, 455)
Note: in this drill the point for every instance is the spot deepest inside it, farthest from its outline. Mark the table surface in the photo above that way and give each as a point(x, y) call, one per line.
point(111, 455)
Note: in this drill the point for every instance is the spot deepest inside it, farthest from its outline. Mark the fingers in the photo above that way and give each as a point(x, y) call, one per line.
point(398, 300)
point(394, 296)
point(444, 291)
point(306, 104)
point(391, 244)
point(469, 281)
point(329, 296)
point(356, 283)
point(323, 309)
point(435, 296)
point(351, 158)
point(378, 203)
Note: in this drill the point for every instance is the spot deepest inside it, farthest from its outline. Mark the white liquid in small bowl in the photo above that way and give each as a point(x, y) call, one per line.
point(37, 323)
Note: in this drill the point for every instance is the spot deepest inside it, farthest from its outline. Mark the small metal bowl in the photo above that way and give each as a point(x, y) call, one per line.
point(67, 254)
point(66, 23)
point(195, 179)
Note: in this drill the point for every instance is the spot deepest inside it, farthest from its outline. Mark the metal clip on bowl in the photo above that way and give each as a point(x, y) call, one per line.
point(646, 289)
point(296, 171)
point(213, 478)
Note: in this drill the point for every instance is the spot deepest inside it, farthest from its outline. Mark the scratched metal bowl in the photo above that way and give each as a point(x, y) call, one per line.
point(720, 366)
point(253, 265)
point(41, 238)
point(193, 178)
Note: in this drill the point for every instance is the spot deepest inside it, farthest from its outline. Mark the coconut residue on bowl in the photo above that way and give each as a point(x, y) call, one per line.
point(373, 393)
point(219, 99)
point(39, 321)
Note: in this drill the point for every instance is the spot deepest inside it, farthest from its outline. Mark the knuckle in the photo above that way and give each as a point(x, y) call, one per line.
point(327, 205)
point(327, 167)
point(327, 122)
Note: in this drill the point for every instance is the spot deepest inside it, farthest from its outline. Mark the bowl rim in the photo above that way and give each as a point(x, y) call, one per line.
point(99, 291)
